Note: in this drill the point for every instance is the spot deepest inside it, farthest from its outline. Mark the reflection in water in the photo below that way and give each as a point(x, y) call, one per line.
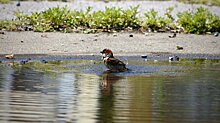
point(108, 79)
point(28, 95)
point(107, 97)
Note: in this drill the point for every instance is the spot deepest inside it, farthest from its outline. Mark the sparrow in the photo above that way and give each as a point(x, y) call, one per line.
point(113, 64)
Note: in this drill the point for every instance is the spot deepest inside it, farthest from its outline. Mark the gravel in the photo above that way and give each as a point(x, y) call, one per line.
point(92, 44)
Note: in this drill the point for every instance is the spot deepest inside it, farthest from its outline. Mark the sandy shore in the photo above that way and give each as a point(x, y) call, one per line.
point(120, 43)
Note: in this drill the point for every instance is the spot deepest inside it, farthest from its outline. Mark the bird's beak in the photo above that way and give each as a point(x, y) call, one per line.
point(102, 52)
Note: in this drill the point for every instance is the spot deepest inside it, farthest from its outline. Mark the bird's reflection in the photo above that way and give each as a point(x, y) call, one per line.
point(108, 79)
point(107, 97)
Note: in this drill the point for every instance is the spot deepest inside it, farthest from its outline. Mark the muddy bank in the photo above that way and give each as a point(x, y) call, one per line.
point(121, 43)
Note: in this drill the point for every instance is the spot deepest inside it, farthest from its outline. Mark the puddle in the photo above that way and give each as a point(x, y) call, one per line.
point(80, 90)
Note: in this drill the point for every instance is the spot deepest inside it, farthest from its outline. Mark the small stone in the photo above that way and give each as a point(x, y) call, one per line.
point(177, 58)
point(11, 56)
point(216, 34)
point(179, 48)
point(131, 35)
point(144, 56)
point(115, 35)
point(18, 4)
point(44, 61)
point(173, 36)
point(171, 58)
point(95, 40)
point(174, 58)
point(2, 32)
point(146, 34)
point(23, 62)
point(20, 29)
point(44, 36)
point(22, 41)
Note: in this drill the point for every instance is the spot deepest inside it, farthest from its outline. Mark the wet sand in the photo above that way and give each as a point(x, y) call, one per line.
point(121, 43)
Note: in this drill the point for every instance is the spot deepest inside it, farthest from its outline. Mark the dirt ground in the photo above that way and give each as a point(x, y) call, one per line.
point(120, 43)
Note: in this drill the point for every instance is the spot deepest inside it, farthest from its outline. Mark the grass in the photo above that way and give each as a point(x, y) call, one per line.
point(200, 22)
point(5, 1)
point(211, 2)
point(112, 19)
point(154, 22)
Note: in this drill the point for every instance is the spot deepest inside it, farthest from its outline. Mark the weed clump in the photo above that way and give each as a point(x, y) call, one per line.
point(62, 19)
point(154, 22)
point(112, 19)
point(200, 22)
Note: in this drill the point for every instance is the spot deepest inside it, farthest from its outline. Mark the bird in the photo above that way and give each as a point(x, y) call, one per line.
point(113, 64)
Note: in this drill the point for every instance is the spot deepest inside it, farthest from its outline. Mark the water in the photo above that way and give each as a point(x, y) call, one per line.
point(81, 91)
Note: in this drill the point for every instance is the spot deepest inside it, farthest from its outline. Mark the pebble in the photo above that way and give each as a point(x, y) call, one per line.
point(115, 35)
point(216, 34)
point(155, 60)
point(146, 33)
point(173, 36)
point(174, 58)
point(23, 62)
point(44, 61)
point(11, 56)
point(131, 35)
point(179, 48)
point(144, 56)
point(44, 36)
point(18, 4)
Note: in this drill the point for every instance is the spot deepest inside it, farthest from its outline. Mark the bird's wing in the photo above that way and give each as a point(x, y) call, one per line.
point(114, 61)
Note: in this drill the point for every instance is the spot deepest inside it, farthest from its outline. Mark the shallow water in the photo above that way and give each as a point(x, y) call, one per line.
point(82, 91)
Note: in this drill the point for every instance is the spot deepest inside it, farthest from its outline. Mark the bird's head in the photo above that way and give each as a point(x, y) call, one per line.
point(107, 53)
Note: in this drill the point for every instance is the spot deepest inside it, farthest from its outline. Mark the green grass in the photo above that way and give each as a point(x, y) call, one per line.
point(200, 22)
point(154, 22)
point(5, 1)
point(112, 19)
point(212, 2)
